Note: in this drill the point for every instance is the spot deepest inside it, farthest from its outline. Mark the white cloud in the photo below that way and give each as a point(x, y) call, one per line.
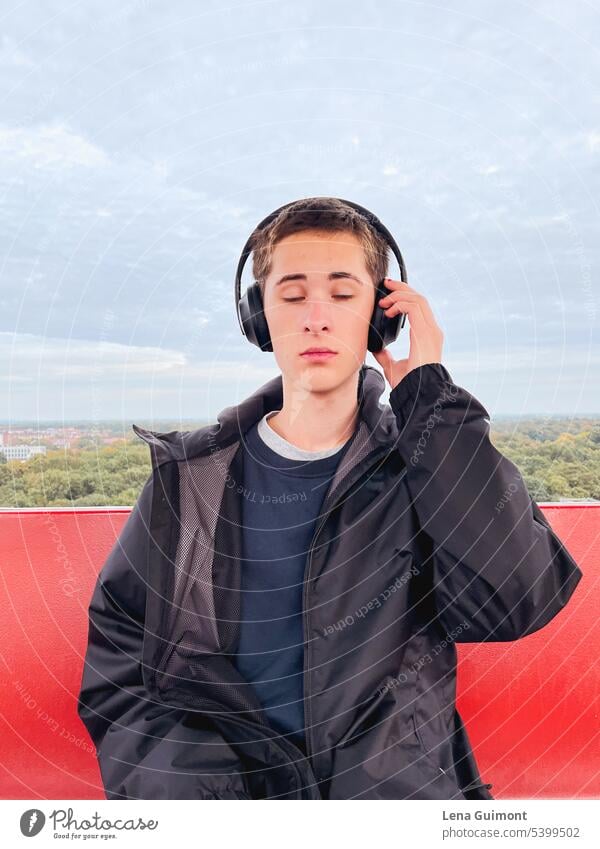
point(26, 355)
point(524, 360)
point(11, 55)
point(50, 146)
point(486, 170)
point(593, 140)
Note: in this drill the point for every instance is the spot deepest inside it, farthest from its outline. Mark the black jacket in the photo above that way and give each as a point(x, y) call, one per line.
point(427, 537)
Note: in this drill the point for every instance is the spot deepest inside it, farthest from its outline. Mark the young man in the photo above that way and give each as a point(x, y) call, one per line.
point(278, 618)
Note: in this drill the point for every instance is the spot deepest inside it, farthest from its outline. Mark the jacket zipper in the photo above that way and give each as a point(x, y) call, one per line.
point(305, 616)
point(289, 745)
point(286, 748)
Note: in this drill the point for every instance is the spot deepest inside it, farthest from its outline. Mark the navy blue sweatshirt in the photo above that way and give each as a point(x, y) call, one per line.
point(284, 488)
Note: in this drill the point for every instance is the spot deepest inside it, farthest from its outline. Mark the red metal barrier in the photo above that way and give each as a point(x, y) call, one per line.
point(530, 706)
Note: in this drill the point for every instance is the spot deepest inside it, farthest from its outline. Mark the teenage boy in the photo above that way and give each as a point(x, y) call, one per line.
point(278, 617)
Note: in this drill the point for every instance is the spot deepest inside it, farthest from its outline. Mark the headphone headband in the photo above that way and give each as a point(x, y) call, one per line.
point(370, 217)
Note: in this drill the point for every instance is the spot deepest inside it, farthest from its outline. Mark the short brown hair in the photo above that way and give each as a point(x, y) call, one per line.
point(319, 213)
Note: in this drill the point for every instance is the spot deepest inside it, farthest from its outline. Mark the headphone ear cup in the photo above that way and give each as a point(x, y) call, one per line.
point(383, 329)
point(253, 318)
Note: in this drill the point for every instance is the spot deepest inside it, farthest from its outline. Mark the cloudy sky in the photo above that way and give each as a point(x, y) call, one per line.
point(140, 143)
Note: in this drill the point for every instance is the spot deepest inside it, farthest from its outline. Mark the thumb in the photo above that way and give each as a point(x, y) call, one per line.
point(384, 358)
point(394, 370)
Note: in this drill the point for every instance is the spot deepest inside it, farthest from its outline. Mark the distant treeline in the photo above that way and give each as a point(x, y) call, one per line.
point(559, 459)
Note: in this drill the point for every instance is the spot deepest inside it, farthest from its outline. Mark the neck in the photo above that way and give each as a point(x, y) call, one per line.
point(317, 421)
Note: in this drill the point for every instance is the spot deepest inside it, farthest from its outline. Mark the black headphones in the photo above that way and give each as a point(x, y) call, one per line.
point(383, 329)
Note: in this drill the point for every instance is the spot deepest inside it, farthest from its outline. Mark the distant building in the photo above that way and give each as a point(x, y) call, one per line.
point(21, 452)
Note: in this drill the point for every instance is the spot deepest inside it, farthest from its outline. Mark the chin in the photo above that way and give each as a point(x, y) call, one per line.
point(323, 377)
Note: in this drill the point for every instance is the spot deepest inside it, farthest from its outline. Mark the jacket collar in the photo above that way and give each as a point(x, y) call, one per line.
point(235, 420)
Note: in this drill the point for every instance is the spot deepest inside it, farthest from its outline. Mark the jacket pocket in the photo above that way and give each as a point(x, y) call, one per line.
point(381, 756)
point(425, 751)
point(370, 713)
point(476, 789)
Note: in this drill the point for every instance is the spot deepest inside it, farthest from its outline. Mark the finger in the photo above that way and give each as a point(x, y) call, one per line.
point(396, 286)
point(408, 297)
point(384, 358)
point(391, 283)
point(399, 289)
point(413, 309)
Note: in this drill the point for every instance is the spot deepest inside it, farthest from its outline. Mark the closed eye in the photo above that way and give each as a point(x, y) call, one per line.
point(301, 298)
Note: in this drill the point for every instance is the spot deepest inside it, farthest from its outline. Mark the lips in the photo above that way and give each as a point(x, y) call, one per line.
point(318, 355)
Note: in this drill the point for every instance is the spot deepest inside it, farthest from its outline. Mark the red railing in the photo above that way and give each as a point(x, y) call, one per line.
point(530, 706)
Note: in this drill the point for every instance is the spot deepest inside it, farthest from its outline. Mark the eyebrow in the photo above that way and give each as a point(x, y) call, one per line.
point(334, 275)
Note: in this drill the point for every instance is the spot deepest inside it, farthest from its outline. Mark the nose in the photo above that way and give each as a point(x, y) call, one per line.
point(317, 316)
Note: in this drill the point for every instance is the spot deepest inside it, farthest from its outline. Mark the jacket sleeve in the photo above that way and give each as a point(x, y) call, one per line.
point(499, 570)
point(145, 750)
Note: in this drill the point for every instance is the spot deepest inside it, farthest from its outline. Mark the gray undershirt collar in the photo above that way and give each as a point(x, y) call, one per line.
point(281, 446)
